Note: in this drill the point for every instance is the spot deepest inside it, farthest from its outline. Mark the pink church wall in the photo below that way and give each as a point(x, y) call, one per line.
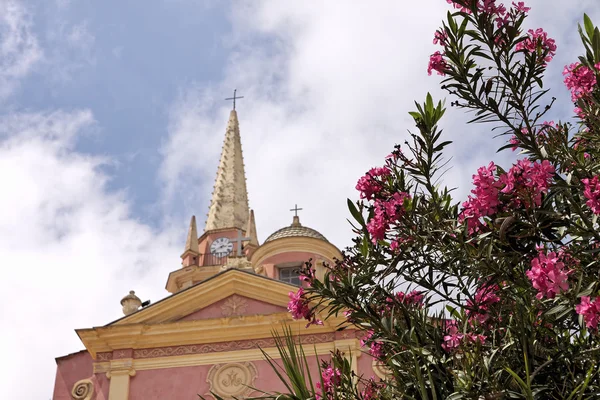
point(253, 307)
point(73, 368)
point(184, 383)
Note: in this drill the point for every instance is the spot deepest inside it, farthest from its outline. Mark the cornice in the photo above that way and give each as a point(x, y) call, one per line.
point(142, 336)
point(292, 244)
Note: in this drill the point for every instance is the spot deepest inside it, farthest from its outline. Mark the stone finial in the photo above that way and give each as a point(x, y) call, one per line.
point(131, 303)
point(251, 230)
point(191, 244)
point(229, 204)
point(296, 221)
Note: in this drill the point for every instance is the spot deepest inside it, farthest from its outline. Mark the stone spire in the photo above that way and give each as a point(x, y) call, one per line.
point(251, 230)
point(229, 203)
point(191, 252)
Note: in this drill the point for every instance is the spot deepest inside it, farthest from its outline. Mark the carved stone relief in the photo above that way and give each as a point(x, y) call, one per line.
point(234, 306)
point(380, 370)
point(232, 379)
point(83, 390)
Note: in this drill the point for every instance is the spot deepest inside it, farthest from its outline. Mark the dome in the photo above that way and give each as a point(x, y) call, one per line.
point(296, 230)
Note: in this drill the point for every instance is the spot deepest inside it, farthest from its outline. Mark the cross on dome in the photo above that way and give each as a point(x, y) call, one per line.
point(295, 210)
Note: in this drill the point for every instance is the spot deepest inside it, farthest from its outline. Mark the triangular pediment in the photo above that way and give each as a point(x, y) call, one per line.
point(234, 306)
point(230, 293)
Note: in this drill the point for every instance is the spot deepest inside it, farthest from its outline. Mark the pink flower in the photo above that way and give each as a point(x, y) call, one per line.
point(371, 389)
point(485, 200)
point(369, 185)
point(591, 191)
point(386, 212)
point(590, 310)
point(520, 7)
point(515, 142)
point(452, 341)
point(538, 42)
point(437, 63)
point(440, 36)
point(332, 377)
point(579, 79)
point(376, 348)
point(490, 7)
point(458, 6)
point(548, 275)
point(298, 306)
point(485, 296)
point(528, 180)
point(414, 298)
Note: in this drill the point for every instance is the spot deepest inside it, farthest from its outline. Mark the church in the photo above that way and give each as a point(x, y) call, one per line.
point(225, 300)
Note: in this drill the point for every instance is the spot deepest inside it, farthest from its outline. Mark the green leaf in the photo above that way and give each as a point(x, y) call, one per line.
point(596, 45)
point(589, 26)
point(355, 213)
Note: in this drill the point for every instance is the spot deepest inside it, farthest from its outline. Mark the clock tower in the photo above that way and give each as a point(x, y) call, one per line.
point(230, 234)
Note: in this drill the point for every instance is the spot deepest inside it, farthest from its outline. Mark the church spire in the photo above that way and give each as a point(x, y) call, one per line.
point(229, 203)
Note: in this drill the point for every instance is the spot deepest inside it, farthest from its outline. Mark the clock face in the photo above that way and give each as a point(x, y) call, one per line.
point(221, 247)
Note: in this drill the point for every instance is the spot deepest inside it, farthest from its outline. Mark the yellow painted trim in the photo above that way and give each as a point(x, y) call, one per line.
point(291, 244)
point(141, 336)
point(119, 372)
point(222, 357)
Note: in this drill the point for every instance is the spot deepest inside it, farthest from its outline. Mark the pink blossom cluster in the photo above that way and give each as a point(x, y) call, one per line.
point(369, 185)
point(299, 307)
point(375, 347)
point(485, 200)
point(332, 377)
point(386, 212)
point(528, 180)
point(548, 274)
point(525, 182)
point(437, 63)
point(538, 42)
point(478, 308)
point(453, 339)
point(591, 191)
point(590, 310)
point(579, 79)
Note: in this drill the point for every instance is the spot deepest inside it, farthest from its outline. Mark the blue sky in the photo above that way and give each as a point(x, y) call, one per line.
point(126, 64)
point(112, 117)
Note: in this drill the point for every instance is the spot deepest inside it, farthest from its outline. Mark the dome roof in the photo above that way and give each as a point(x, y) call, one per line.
point(296, 230)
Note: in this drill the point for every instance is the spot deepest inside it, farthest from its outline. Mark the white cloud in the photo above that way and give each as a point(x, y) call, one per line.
point(327, 90)
point(19, 48)
point(69, 249)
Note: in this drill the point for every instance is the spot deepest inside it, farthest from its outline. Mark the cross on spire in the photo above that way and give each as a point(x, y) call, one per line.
point(234, 97)
point(295, 210)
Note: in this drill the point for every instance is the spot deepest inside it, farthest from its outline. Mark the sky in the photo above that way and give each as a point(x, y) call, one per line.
point(112, 117)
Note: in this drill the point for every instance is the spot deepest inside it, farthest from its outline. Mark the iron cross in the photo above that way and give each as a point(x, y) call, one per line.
point(295, 210)
point(234, 97)
point(239, 241)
